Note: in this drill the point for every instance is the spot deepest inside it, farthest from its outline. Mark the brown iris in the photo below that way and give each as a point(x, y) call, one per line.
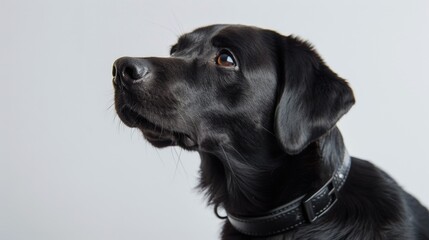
point(225, 59)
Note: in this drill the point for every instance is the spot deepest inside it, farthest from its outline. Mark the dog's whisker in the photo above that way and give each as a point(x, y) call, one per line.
point(119, 126)
point(239, 154)
point(180, 153)
point(185, 121)
point(132, 132)
point(238, 182)
point(159, 156)
point(194, 124)
point(111, 106)
point(170, 30)
point(179, 25)
point(162, 129)
point(263, 128)
point(180, 160)
point(234, 177)
point(177, 163)
point(228, 161)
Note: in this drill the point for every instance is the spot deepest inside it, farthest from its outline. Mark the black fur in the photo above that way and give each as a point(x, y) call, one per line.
point(264, 129)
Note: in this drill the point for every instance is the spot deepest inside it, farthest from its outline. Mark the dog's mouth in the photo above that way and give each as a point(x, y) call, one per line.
point(158, 136)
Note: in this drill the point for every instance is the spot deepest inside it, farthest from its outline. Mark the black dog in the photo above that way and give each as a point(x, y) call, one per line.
point(261, 110)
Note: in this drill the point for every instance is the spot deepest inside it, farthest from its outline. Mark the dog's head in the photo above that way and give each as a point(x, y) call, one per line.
point(231, 85)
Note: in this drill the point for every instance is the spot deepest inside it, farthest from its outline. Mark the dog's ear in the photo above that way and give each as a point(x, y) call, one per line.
point(312, 98)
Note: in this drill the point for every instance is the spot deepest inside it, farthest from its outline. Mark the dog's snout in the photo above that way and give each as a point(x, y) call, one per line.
point(127, 71)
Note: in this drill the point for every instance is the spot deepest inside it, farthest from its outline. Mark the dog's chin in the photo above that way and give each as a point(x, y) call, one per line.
point(159, 137)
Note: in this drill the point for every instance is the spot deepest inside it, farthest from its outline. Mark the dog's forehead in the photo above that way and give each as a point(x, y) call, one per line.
point(205, 35)
point(200, 35)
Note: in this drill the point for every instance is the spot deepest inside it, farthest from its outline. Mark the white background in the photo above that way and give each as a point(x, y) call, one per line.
point(70, 170)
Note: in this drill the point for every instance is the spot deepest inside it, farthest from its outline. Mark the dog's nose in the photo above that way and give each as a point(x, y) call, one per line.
point(127, 71)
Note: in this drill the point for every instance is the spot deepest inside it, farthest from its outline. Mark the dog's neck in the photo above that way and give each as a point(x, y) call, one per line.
point(253, 184)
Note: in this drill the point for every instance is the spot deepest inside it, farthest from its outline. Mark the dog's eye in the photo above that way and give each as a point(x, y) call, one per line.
point(225, 59)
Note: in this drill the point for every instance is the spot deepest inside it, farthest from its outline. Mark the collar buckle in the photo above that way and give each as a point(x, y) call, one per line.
point(308, 201)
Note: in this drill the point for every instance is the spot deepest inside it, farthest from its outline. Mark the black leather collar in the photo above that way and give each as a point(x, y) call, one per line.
point(305, 209)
